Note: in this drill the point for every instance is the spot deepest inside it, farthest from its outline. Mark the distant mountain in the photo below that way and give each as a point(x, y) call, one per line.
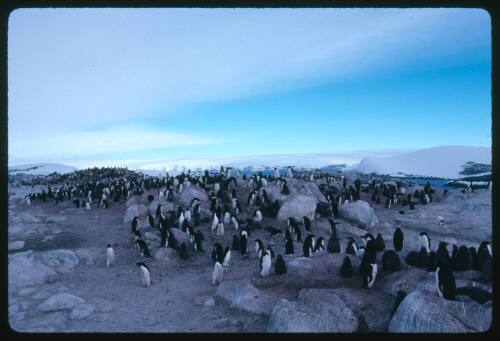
point(450, 162)
point(41, 168)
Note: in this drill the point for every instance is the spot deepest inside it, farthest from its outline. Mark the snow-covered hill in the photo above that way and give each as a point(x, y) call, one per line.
point(41, 168)
point(442, 161)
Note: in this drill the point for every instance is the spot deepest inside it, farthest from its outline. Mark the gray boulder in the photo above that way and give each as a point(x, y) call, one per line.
point(89, 256)
point(17, 245)
point(307, 188)
point(61, 260)
point(138, 210)
point(359, 212)
point(405, 280)
point(60, 301)
point(189, 194)
point(25, 270)
point(81, 311)
point(373, 307)
point(312, 312)
point(424, 313)
point(241, 294)
point(318, 264)
point(297, 206)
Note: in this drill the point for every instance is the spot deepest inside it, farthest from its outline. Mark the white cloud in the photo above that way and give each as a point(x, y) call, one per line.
point(122, 139)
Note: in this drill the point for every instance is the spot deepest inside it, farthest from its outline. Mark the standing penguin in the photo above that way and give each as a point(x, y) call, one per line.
point(265, 264)
point(346, 268)
point(227, 257)
point(217, 273)
point(110, 256)
point(425, 241)
point(244, 243)
point(87, 206)
point(319, 245)
point(151, 220)
point(288, 246)
point(445, 282)
point(308, 245)
point(279, 265)
point(370, 275)
point(236, 243)
point(307, 223)
point(333, 245)
point(259, 248)
point(379, 243)
point(398, 240)
point(135, 224)
point(220, 229)
point(352, 247)
point(145, 274)
point(442, 255)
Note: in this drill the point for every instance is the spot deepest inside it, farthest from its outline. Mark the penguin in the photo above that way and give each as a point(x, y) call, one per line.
point(367, 237)
point(217, 273)
point(307, 223)
point(110, 256)
point(227, 217)
point(398, 239)
point(319, 245)
point(346, 268)
point(473, 253)
point(145, 274)
point(258, 216)
point(379, 243)
point(483, 254)
point(334, 245)
point(412, 258)
point(270, 251)
point(352, 247)
point(279, 265)
point(151, 220)
point(288, 246)
point(297, 232)
point(370, 275)
point(425, 241)
point(182, 250)
point(308, 245)
point(273, 231)
point(198, 239)
point(187, 215)
point(135, 224)
point(143, 248)
point(87, 206)
point(259, 248)
point(220, 229)
point(215, 221)
point(442, 255)
point(432, 262)
point(181, 219)
point(390, 261)
point(172, 242)
point(423, 259)
point(217, 253)
point(453, 260)
point(227, 257)
point(236, 243)
point(265, 264)
point(370, 250)
point(243, 244)
point(445, 282)
point(235, 223)
point(333, 227)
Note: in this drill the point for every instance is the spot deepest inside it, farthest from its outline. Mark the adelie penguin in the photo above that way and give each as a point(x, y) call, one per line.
point(398, 240)
point(334, 245)
point(279, 265)
point(319, 245)
point(442, 255)
point(198, 239)
point(217, 273)
point(390, 261)
point(308, 245)
point(288, 246)
point(259, 248)
point(145, 274)
point(445, 282)
point(110, 256)
point(346, 268)
point(235, 246)
point(143, 248)
point(352, 247)
point(265, 264)
point(227, 257)
point(244, 243)
point(379, 243)
point(369, 275)
point(425, 241)
point(135, 224)
point(307, 223)
point(151, 220)
point(217, 253)
point(423, 260)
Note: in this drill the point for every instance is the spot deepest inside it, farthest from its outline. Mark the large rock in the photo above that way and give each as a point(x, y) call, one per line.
point(61, 260)
point(25, 270)
point(138, 210)
point(242, 295)
point(89, 256)
point(17, 245)
point(181, 237)
point(312, 312)
point(405, 280)
point(82, 311)
point(373, 307)
point(318, 264)
point(297, 206)
point(361, 213)
point(308, 188)
point(60, 301)
point(189, 194)
point(423, 313)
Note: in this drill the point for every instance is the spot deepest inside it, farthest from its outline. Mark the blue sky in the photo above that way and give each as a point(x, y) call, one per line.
point(88, 84)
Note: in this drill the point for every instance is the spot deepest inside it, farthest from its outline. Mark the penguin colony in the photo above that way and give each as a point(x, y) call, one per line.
point(97, 188)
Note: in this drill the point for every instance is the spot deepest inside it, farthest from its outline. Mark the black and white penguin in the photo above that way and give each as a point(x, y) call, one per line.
point(412, 258)
point(423, 260)
point(158, 211)
point(151, 220)
point(235, 246)
point(182, 251)
point(346, 268)
point(333, 228)
point(217, 273)
point(288, 246)
point(432, 262)
point(265, 264)
point(244, 243)
point(442, 255)
point(198, 241)
point(352, 247)
point(445, 282)
point(279, 265)
point(307, 223)
point(145, 274)
point(425, 241)
point(217, 253)
point(227, 257)
point(135, 224)
point(367, 237)
point(270, 251)
point(259, 248)
point(308, 245)
point(390, 261)
point(227, 217)
point(370, 275)
point(220, 229)
point(257, 216)
point(110, 256)
point(334, 245)
point(143, 247)
point(379, 243)
point(483, 255)
point(398, 239)
point(319, 245)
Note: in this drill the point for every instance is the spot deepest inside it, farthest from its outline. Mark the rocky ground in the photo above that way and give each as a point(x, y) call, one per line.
point(58, 280)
